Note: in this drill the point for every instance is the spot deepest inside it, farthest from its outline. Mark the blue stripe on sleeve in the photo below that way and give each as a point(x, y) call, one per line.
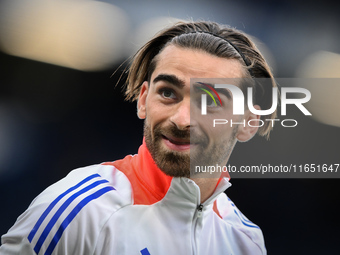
point(62, 208)
point(72, 215)
point(244, 218)
point(244, 223)
point(145, 251)
point(50, 207)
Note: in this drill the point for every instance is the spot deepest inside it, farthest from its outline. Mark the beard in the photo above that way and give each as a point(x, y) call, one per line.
point(180, 164)
point(172, 163)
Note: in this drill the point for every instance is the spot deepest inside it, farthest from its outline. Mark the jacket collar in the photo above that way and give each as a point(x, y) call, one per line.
point(150, 184)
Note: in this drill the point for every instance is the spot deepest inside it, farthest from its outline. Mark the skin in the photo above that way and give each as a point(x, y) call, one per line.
point(174, 129)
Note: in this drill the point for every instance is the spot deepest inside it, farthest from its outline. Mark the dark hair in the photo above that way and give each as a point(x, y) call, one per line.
point(213, 38)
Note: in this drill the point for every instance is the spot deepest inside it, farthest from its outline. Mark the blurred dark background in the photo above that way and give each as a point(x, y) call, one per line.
point(60, 108)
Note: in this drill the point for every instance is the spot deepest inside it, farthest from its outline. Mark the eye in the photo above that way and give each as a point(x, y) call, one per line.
point(211, 102)
point(167, 93)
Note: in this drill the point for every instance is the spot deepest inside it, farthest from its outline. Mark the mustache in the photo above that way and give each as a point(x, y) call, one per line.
point(173, 131)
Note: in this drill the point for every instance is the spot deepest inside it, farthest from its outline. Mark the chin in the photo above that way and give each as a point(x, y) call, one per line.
point(174, 170)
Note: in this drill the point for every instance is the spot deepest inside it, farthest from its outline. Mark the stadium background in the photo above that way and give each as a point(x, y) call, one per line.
point(60, 112)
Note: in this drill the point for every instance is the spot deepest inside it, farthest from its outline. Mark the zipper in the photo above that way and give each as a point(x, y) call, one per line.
point(198, 214)
point(199, 210)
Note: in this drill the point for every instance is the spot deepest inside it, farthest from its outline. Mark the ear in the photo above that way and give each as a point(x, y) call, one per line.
point(246, 132)
point(141, 104)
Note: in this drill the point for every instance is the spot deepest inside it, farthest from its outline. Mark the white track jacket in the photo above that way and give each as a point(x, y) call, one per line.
point(130, 207)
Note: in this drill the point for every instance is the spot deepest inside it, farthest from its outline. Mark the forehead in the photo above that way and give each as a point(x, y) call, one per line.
point(191, 63)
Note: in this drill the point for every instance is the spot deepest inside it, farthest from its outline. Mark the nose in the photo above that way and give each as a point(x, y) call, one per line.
point(181, 116)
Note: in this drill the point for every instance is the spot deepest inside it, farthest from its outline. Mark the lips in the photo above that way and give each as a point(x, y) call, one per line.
point(178, 141)
point(178, 144)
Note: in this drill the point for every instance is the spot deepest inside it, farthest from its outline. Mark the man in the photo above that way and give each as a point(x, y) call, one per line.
point(151, 203)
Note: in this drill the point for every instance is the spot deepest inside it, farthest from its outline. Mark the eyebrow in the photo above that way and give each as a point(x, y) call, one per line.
point(219, 90)
point(170, 78)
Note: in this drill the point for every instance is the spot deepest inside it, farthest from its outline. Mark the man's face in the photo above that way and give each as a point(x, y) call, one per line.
point(176, 134)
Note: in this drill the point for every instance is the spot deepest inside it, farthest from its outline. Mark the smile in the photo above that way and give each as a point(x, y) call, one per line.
point(177, 144)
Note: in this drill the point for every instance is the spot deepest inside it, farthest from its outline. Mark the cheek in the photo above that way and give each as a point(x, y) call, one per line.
point(221, 130)
point(218, 129)
point(154, 115)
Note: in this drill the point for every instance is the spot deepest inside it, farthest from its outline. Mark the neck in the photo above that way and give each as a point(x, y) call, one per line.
point(207, 187)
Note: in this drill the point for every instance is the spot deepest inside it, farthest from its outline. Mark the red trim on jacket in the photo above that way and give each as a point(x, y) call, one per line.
point(149, 184)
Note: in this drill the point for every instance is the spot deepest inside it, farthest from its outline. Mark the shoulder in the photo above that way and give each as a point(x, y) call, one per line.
point(100, 184)
point(239, 222)
point(69, 215)
point(88, 180)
